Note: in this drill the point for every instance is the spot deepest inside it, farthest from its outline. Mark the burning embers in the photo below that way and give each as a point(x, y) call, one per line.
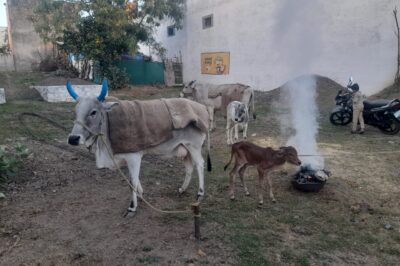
point(310, 180)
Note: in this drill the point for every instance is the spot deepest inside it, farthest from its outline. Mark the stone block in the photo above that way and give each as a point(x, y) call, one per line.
point(60, 93)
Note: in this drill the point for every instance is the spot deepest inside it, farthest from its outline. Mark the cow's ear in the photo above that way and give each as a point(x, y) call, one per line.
point(281, 152)
point(110, 105)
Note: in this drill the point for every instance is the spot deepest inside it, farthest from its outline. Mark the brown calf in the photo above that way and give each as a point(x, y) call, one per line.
point(266, 159)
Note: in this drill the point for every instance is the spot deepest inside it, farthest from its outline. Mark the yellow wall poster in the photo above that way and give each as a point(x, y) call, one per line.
point(215, 63)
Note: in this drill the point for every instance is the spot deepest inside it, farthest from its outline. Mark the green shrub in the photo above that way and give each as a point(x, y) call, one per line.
point(117, 78)
point(11, 160)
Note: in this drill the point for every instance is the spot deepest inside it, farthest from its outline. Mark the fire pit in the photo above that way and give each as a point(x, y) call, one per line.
point(308, 179)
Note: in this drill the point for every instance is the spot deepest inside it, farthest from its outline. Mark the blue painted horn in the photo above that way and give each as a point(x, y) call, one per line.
point(103, 93)
point(71, 91)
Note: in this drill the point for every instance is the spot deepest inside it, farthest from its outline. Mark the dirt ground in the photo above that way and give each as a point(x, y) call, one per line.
point(60, 210)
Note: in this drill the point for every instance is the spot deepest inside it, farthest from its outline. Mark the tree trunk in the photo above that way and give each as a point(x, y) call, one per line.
point(397, 33)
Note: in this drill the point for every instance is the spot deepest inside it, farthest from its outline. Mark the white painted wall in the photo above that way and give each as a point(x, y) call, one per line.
point(271, 41)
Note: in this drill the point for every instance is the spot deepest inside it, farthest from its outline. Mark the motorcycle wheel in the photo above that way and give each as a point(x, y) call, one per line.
point(391, 128)
point(340, 118)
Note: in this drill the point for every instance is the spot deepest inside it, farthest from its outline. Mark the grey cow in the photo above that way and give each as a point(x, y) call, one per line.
point(182, 134)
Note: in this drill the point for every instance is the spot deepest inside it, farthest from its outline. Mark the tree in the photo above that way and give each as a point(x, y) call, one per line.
point(103, 30)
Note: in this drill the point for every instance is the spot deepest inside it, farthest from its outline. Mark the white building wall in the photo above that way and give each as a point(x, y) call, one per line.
point(272, 41)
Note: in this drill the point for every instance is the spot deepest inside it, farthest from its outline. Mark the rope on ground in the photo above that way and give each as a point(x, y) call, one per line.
point(52, 122)
point(60, 126)
point(133, 187)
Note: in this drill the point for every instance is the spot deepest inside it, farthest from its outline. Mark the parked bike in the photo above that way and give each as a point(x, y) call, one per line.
point(383, 114)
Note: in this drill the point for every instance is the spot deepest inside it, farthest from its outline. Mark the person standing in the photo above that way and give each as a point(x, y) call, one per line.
point(358, 108)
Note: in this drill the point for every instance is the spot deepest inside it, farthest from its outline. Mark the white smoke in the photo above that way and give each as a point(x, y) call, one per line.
point(298, 34)
point(301, 93)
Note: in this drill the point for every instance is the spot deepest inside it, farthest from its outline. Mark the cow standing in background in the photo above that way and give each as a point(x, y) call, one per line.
point(217, 97)
point(237, 115)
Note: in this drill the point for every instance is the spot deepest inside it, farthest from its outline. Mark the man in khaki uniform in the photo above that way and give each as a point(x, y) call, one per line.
point(358, 108)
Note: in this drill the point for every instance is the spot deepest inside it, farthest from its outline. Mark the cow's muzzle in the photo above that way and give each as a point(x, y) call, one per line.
point(73, 140)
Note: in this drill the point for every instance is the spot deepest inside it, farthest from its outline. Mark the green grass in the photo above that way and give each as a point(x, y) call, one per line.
point(249, 249)
point(149, 259)
point(12, 128)
point(300, 228)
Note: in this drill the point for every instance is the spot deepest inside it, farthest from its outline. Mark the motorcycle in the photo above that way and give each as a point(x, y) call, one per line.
point(383, 114)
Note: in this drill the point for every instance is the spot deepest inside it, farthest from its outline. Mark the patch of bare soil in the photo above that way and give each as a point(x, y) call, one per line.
point(391, 92)
point(66, 212)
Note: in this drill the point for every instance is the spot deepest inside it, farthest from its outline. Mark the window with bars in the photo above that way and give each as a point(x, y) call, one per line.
point(208, 21)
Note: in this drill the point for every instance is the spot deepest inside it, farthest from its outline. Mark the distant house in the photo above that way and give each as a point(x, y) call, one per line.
point(27, 49)
point(264, 43)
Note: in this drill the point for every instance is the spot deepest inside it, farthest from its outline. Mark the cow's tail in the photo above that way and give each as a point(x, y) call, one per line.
point(226, 166)
point(252, 104)
point(209, 165)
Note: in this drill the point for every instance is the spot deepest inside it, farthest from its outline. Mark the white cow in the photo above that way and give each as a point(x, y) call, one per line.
point(93, 119)
point(217, 97)
point(237, 116)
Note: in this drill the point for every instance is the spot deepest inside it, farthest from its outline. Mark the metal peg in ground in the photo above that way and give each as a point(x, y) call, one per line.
point(196, 215)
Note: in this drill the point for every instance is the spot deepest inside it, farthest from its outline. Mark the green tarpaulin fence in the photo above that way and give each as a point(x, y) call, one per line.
point(139, 72)
point(142, 72)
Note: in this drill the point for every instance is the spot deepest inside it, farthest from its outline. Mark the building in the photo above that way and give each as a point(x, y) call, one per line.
point(264, 43)
point(27, 49)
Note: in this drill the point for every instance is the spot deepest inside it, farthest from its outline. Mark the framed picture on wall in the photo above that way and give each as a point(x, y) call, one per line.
point(215, 63)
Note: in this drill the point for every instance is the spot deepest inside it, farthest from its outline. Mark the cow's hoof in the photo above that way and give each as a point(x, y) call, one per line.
point(181, 191)
point(232, 198)
point(199, 197)
point(129, 213)
point(247, 193)
point(260, 203)
point(274, 200)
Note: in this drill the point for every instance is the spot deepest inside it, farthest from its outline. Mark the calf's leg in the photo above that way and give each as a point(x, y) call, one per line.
point(228, 130)
point(245, 130)
point(260, 185)
point(232, 178)
point(236, 131)
point(271, 194)
point(241, 175)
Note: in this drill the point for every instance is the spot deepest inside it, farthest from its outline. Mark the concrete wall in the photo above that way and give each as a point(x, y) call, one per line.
point(6, 63)
point(272, 41)
point(26, 45)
